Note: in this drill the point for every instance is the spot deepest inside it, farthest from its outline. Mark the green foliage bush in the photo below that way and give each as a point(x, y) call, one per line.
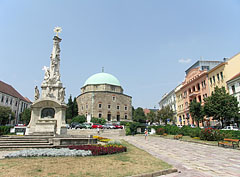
point(98, 120)
point(4, 130)
point(172, 130)
point(195, 132)
point(79, 119)
point(210, 134)
point(231, 134)
point(186, 130)
point(131, 128)
point(160, 131)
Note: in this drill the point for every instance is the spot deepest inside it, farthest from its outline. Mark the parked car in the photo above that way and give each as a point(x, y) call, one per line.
point(109, 126)
point(231, 128)
point(118, 126)
point(73, 124)
point(87, 125)
point(68, 126)
point(80, 126)
point(97, 126)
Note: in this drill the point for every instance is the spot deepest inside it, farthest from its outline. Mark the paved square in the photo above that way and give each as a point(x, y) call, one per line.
point(190, 158)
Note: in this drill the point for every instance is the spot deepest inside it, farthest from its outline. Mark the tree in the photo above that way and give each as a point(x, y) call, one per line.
point(221, 106)
point(26, 115)
point(72, 109)
point(151, 116)
point(196, 111)
point(139, 115)
point(79, 119)
point(5, 112)
point(69, 111)
point(75, 107)
point(165, 114)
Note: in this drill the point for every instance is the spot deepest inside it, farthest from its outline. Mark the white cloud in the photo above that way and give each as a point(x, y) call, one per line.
point(185, 60)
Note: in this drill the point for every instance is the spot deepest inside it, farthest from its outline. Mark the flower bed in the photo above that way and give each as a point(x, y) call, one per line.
point(49, 153)
point(101, 139)
point(100, 149)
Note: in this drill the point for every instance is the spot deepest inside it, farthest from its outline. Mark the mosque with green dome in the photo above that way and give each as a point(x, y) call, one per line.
point(102, 97)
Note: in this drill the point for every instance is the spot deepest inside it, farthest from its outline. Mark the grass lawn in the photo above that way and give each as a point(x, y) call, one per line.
point(134, 161)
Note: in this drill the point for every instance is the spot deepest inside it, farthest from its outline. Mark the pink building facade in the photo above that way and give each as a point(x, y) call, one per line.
point(195, 86)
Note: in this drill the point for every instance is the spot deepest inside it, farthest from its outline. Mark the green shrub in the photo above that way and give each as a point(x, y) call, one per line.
point(131, 128)
point(195, 132)
point(186, 130)
point(160, 131)
point(210, 134)
point(172, 130)
point(98, 120)
point(79, 119)
point(4, 130)
point(231, 134)
point(124, 123)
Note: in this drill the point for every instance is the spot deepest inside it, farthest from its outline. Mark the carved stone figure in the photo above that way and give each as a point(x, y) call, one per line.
point(36, 95)
point(62, 94)
point(47, 74)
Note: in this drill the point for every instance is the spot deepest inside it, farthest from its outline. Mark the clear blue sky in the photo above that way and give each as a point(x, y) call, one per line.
point(146, 44)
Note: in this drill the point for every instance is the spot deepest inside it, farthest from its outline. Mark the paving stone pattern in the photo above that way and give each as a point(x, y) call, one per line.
point(191, 159)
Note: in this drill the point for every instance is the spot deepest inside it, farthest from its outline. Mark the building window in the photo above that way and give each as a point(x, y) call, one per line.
point(125, 116)
point(233, 89)
point(185, 94)
point(125, 108)
point(2, 98)
point(218, 77)
point(109, 106)
point(186, 104)
point(199, 98)
point(6, 100)
point(82, 107)
point(198, 86)
point(11, 101)
point(99, 105)
point(113, 98)
point(99, 115)
point(193, 88)
point(221, 73)
point(211, 80)
point(86, 106)
point(118, 107)
point(16, 103)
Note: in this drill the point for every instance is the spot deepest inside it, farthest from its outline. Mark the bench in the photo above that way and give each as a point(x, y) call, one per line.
point(177, 137)
point(229, 142)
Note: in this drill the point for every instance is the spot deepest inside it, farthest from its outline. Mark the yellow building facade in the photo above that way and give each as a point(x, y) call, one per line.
point(219, 75)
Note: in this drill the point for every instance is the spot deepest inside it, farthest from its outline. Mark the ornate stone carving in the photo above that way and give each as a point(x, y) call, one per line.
point(36, 95)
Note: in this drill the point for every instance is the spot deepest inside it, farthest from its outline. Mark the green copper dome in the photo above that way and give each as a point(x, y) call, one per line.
point(102, 78)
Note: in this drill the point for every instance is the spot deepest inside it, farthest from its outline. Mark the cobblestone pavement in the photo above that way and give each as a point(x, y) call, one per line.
point(191, 159)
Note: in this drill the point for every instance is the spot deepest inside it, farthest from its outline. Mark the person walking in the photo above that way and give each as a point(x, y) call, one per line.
point(98, 131)
point(146, 134)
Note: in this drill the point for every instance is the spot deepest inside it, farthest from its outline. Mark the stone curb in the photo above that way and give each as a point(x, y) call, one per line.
point(157, 173)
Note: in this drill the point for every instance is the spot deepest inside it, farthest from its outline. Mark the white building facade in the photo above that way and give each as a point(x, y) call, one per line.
point(169, 99)
point(9, 97)
point(234, 87)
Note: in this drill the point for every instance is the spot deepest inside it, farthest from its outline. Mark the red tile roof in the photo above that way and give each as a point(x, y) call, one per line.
point(8, 89)
point(234, 77)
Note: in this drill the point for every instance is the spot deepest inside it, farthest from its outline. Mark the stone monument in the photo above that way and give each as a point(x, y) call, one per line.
point(49, 109)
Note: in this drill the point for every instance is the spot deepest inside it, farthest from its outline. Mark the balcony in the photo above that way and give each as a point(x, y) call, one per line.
point(194, 94)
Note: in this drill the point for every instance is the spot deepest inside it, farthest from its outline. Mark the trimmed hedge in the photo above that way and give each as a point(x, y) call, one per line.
point(208, 134)
point(4, 130)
